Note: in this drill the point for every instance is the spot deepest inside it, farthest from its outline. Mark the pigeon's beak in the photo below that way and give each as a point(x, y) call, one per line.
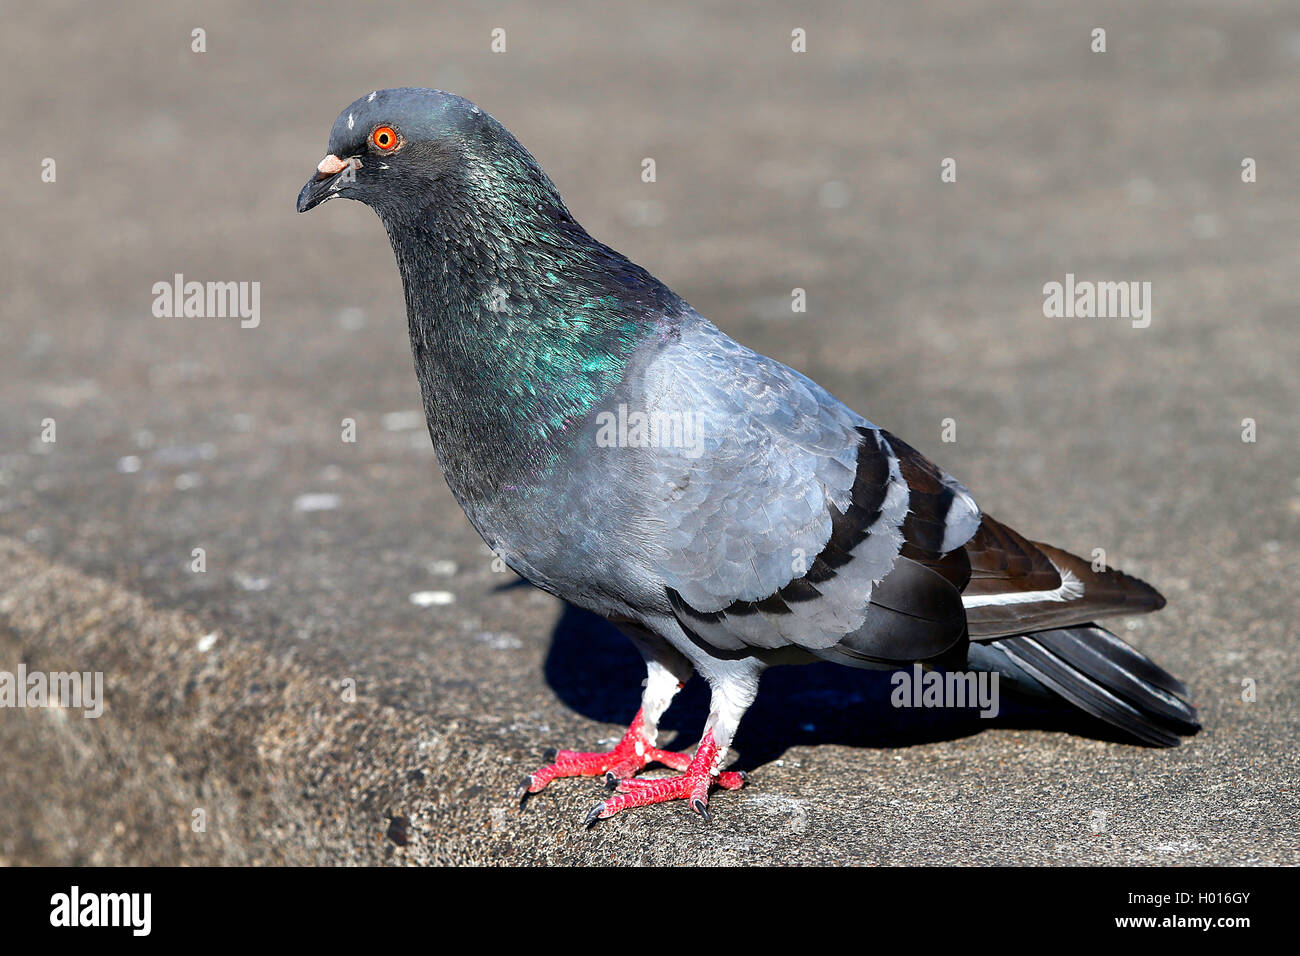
point(332, 174)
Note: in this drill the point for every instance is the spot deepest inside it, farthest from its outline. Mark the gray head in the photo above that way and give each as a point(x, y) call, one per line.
point(400, 150)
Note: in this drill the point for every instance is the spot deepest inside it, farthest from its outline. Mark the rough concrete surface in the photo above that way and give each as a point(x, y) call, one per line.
point(229, 690)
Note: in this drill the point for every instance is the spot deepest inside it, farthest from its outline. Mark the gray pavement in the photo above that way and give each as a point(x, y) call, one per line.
point(775, 170)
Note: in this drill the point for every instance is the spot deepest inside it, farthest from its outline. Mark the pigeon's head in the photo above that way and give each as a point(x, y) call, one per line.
point(403, 151)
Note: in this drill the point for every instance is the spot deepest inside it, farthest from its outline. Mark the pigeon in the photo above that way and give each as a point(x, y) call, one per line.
point(725, 512)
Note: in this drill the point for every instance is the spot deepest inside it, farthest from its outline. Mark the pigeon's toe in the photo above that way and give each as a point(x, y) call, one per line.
point(692, 785)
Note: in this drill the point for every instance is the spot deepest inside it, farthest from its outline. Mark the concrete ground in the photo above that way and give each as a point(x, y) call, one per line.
point(350, 681)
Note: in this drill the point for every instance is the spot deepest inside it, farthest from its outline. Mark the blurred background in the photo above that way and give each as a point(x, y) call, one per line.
point(347, 679)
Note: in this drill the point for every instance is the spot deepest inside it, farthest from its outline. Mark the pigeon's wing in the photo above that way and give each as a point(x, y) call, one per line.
point(784, 520)
point(1018, 586)
point(1009, 584)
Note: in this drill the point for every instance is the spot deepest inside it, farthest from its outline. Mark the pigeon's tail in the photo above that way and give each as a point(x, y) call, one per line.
point(1098, 673)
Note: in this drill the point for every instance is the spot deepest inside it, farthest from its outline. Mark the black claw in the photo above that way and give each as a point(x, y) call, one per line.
point(611, 780)
point(522, 792)
point(594, 815)
point(549, 754)
point(699, 807)
point(743, 776)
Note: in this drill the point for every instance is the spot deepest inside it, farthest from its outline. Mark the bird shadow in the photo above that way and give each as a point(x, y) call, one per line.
point(596, 672)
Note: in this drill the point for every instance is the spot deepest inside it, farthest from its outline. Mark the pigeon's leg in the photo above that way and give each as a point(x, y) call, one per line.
point(733, 692)
point(666, 672)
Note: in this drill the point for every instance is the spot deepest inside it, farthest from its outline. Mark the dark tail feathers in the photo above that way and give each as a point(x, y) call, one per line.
point(1100, 674)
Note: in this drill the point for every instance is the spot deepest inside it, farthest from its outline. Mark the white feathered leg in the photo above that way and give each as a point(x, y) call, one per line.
point(734, 685)
point(666, 672)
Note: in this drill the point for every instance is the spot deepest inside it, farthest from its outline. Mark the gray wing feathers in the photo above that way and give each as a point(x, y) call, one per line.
point(786, 515)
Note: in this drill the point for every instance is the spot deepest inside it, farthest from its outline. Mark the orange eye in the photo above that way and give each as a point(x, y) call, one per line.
point(384, 137)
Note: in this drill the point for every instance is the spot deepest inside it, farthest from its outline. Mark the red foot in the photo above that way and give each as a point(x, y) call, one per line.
point(631, 755)
point(693, 785)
